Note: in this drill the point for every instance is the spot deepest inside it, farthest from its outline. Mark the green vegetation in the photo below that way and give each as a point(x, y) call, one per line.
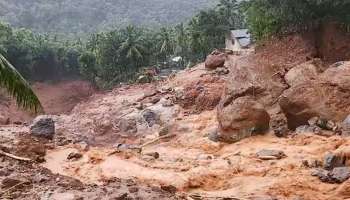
point(17, 86)
point(269, 17)
point(110, 57)
point(117, 55)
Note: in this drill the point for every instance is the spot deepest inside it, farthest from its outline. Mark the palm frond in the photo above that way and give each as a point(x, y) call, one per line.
point(18, 87)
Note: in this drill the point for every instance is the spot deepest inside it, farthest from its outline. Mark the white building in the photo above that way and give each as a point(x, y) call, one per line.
point(238, 40)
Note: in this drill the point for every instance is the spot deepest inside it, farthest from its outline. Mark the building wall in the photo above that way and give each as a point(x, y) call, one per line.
point(231, 46)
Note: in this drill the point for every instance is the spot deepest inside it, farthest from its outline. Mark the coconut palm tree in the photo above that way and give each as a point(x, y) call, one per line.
point(132, 47)
point(18, 87)
point(165, 43)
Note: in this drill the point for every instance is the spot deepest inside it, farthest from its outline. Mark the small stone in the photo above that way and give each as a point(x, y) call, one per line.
point(74, 156)
point(153, 154)
point(267, 154)
point(169, 188)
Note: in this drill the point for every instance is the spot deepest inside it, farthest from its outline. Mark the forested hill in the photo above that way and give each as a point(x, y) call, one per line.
point(81, 16)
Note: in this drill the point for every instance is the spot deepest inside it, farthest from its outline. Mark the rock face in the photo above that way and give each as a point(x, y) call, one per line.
point(326, 97)
point(304, 72)
point(43, 126)
point(214, 60)
point(201, 95)
point(241, 118)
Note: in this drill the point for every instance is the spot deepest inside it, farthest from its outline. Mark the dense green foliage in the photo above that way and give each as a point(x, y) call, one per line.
point(117, 55)
point(89, 16)
point(110, 57)
point(269, 17)
point(39, 57)
point(17, 86)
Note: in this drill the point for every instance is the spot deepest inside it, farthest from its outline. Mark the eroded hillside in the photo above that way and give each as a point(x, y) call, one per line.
point(269, 125)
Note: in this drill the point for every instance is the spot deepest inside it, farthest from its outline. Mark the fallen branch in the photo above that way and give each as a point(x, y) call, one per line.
point(157, 139)
point(200, 197)
point(14, 156)
point(13, 187)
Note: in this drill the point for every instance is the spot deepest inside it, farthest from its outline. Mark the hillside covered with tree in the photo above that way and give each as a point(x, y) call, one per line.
point(81, 16)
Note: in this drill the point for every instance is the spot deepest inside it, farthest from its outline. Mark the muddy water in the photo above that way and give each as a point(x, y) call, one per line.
point(232, 170)
point(194, 164)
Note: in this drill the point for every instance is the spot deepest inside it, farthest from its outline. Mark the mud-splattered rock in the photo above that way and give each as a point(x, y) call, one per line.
point(241, 118)
point(268, 154)
point(340, 174)
point(337, 175)
point(74, 156)
point(321, 174)
point(331, 161)
point(326, 97)
point(214, 60)
point(43, 126)
point(150, 117)
point(304, 72)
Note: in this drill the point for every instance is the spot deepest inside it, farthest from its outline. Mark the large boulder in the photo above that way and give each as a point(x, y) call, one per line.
point(214, 60)
point(326, 97)
point(241, 118)
point(43, 126)
point(304, 72)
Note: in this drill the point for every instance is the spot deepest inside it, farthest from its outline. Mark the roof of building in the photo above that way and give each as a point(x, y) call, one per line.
point(240, 33)
point(243, 37)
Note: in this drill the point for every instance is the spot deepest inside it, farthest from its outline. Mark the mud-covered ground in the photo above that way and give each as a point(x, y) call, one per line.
point(157, 141)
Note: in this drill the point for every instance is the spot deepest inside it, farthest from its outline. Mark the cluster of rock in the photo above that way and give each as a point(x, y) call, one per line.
point(335, 169)
point(308, 97)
